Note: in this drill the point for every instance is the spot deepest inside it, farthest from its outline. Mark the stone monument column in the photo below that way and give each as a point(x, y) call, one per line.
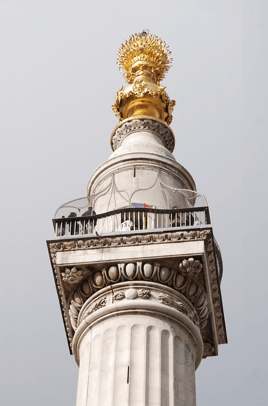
point(142, 347)
point(136, 264)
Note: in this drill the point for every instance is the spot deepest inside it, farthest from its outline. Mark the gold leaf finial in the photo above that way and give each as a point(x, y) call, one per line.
point(144, 60)
point(144, 54)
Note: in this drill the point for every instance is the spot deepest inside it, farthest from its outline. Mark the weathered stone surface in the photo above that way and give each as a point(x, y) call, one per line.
point(145, 356)
point(141, 308)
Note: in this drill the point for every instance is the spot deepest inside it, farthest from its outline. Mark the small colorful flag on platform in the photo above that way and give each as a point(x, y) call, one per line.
point(140, 205)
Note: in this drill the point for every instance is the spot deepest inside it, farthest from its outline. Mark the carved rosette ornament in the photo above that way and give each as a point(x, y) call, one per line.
point(73, 275)
point(190, 267)
point(144, 60)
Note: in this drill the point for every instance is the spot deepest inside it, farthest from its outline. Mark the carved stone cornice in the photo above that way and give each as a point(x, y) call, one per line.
point(149, 125)
point(126, 240)
point(216, 293)
point(63, 295)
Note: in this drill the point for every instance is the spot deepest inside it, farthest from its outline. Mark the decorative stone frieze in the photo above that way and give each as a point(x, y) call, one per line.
point(119, 296)
point(153, 272)
point(136, 125)
point(136, 291)
point(144, 294)
point(126, 240)
point(169, 301)
point(99, 305)
point(132, 294)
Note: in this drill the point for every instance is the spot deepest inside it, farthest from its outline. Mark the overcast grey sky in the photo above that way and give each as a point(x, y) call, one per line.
point(58, 79)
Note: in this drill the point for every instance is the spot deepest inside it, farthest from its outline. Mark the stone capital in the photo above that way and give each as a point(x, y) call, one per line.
point(98, 271)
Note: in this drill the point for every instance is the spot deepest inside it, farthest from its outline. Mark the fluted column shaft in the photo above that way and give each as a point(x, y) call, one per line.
point(137, 356)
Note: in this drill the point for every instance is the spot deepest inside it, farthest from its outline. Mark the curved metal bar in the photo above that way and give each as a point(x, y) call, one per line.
point(184, 191)
point(147, 188)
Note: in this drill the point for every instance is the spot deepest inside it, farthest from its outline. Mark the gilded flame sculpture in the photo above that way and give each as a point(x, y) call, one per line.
point(144, 52)
point(144, 60)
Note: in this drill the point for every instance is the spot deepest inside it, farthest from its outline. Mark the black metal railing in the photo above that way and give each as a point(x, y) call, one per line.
point(136, 219)
point(131, 219)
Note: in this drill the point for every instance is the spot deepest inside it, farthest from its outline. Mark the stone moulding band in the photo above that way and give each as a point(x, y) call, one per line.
point(132, 125)
point(139, 307)
point(139, 290)
point(127, 239)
